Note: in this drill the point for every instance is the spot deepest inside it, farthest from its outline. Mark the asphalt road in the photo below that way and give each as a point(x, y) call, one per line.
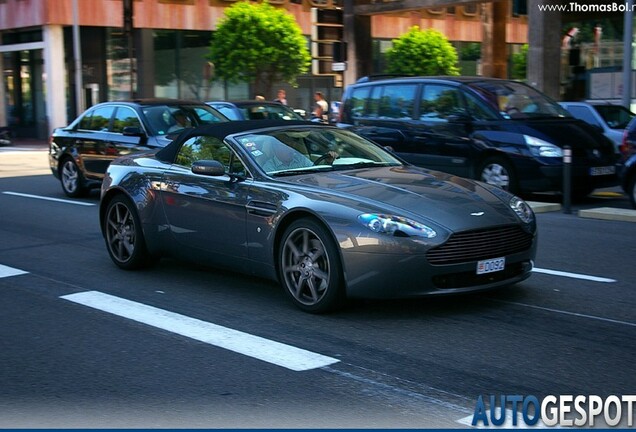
point(387, 364)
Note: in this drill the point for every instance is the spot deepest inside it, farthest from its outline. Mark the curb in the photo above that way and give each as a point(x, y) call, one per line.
point(603, 213)
point(608, 213)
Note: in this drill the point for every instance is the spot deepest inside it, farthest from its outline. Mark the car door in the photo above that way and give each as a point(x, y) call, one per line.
point(383, 114)
point(206, 214)
point(119, 144)
point(90, 138)
point(441, 133)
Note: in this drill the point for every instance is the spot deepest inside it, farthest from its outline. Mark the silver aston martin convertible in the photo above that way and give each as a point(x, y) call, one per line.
point(327, 213)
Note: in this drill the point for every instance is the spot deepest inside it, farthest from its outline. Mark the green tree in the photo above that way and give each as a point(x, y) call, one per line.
point(259, 44)
point(422, 52)
point(520, 63)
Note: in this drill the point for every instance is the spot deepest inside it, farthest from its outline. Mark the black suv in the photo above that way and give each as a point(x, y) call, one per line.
point(80, 153)
point(502, 132)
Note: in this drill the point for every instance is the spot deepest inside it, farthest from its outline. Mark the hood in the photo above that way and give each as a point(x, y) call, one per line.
point(580, 136)
point(453, 202)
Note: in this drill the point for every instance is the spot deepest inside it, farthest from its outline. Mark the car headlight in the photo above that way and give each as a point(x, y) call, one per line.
point(522, 209)
point(542, 148)
point(395, 225)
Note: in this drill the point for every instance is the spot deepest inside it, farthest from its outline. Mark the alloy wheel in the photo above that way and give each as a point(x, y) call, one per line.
point(496, 175)
point(70, 177)
point(305, 266)
point(121, 232)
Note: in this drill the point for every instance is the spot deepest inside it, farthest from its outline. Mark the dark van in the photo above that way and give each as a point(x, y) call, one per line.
point(502, 132)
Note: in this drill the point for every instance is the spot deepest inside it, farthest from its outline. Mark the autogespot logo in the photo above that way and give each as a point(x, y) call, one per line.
point(562, 410)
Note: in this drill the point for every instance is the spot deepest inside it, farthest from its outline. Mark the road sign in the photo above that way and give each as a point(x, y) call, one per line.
point(339, 66)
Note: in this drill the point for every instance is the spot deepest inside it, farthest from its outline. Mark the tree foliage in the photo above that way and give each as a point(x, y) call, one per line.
point(520, 63)
point(422, 52)
point(259, 44)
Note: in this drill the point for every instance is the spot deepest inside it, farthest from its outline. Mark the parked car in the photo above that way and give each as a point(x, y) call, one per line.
point(80, 152)
point(255, 110)
point(627, 168)
point(336, 216)
point(610, 119)
point(502, 132)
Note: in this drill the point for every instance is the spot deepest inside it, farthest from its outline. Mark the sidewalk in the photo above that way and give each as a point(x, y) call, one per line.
point(27, 144)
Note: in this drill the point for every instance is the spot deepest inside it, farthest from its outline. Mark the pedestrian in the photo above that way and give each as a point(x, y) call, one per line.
point(260, 98)
point(321, 108)
point(281, 97)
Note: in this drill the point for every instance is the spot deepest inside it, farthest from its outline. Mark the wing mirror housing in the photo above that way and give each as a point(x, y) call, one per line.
point(133, 131)
point(211, 168)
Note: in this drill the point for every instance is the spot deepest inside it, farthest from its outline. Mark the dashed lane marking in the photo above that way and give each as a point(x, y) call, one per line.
point(49, 198)
point(10, 271)
point(257, 347)
point(573, 275)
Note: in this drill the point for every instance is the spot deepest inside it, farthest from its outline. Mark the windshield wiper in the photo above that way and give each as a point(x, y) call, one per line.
point(356, 165)
point(301, 171)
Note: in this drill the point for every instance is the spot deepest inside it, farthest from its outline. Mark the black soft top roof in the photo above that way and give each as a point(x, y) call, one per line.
point(221, 130)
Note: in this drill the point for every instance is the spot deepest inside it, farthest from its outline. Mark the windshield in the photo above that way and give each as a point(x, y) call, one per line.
point(301, 150)
point(515, 100)
point(168, 119)
point(268, 111)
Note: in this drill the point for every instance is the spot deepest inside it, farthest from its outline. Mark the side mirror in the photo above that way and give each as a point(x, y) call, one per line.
point(208, 167)
point(459, 118)
point(133, 131)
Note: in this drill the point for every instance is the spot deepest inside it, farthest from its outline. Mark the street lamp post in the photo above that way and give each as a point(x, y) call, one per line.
point(628, 54)
point(77, 53)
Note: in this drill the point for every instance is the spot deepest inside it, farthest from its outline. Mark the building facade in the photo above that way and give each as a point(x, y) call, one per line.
point(44, 44)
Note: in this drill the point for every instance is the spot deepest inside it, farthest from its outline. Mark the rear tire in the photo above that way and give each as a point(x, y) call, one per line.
point(72, 180)
point(309, 267)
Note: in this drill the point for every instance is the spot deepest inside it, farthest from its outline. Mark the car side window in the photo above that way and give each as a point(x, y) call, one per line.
point(440, 101)
point(358, 101)
point(98, 120)
point(397, 101)
point(206, 116)
point(125, 117)
point(209, 148)
point(477, 109)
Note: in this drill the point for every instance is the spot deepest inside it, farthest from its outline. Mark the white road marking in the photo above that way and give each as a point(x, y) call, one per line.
point(257, 347)
point(573, 275)
point(10, 271)
point(580, 315)
point(49, 198)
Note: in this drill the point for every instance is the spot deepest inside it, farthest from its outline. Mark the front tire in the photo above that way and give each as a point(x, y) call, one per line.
point(123, 234)
point(72, 179)
point(497, 171)
point(309, 267)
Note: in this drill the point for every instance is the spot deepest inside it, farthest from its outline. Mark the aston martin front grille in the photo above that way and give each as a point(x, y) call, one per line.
point(480, 244)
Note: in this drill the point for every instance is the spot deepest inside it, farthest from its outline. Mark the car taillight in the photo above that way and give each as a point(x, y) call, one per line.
point(624, 145)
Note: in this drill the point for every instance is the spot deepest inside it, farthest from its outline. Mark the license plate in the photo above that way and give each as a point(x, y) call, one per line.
point(491, 265)
point(605, 170)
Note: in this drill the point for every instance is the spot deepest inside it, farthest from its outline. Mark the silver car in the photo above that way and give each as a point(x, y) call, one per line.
point(326, 212)
point(610, 119)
